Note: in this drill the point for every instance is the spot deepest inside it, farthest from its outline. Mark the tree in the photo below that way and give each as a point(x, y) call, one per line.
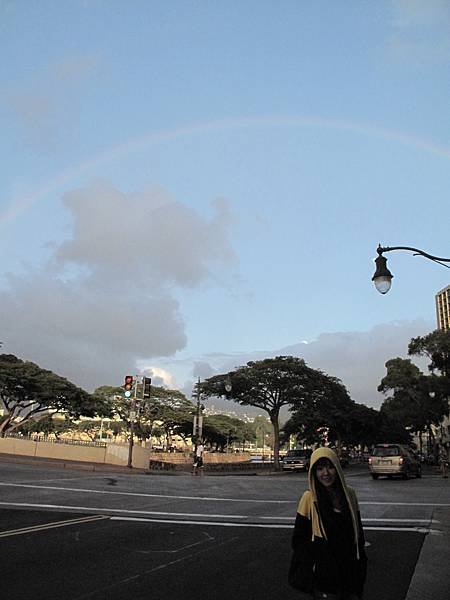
point(322, 415)
point(267, 384)
point(418, 401)
point(46, 426)
point(221, 431)
point(170, 408)
point(29, 392)
point(436, 346)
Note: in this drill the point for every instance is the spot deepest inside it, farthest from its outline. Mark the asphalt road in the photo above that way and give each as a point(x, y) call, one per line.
point(76, 535)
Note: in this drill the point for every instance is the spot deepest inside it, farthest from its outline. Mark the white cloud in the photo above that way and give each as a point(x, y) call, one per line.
point(106, 299)
point(47, 104)
point(357, 358)
point(420, 32)
point(144, 238)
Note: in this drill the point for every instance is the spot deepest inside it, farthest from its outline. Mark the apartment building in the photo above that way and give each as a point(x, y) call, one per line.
point(443, 309)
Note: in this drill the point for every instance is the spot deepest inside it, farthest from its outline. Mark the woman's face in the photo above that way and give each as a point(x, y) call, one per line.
point(326, 473)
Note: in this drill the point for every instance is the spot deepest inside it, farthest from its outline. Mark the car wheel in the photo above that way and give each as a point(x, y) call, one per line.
point(406, 475)
point(374, 476)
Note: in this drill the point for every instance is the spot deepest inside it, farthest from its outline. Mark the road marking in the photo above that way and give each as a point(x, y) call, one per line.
point(375, 503)
point(127, 580)
point(414, 529)
point(124, 512)
point(366, 520)
point(45, 526)
point(216, 523)
point(143, 495)
point(206, 498)
point(120, 510)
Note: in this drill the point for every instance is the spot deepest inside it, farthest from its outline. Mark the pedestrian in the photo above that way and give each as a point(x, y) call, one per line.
point(443, 461)
point(198, 458)
point(328, 560)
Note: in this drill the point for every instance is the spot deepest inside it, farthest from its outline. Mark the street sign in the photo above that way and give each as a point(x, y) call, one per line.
point(132, 415)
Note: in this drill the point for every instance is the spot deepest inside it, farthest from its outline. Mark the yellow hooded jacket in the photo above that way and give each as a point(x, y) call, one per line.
point(316, 562)
point(308, 505)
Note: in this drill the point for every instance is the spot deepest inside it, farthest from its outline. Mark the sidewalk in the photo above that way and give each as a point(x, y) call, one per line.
point(67, 464)
point(431, 580)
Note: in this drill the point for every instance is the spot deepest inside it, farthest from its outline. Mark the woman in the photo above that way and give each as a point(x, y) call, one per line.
point(328, 559)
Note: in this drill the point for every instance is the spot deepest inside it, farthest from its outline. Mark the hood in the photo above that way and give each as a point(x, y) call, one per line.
point(333, 458)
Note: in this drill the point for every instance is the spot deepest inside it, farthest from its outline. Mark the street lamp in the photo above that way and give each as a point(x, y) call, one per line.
point(228, 385)
point(383, 277)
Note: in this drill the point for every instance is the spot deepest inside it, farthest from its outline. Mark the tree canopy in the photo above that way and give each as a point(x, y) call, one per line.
point(436, 346)
point(267, 384)
point(29, 392)
point(418, 401)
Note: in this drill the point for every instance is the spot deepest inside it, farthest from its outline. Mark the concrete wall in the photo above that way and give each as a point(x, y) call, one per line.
point(113, 454)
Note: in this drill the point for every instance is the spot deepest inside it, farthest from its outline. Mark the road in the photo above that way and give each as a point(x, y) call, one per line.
point(81, 535)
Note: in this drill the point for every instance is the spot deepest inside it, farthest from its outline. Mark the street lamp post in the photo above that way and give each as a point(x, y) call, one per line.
point(383, 277)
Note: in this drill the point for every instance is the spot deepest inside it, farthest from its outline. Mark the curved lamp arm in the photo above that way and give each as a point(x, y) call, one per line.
point(383, 277)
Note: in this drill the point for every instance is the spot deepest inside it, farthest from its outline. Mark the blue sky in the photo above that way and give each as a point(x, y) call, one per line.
point(186, 186)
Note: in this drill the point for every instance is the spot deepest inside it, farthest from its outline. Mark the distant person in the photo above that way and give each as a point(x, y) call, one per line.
point(443, 461)
point(198, 459)
point(328, 560)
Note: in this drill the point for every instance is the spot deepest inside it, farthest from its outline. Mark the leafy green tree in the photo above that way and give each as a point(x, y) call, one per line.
point(221, 431)
point(170, 408)
point(323, 414)
point(436, 346)
point(267, 384)
point(29, 392)
point(417, 401)
point(46, 426)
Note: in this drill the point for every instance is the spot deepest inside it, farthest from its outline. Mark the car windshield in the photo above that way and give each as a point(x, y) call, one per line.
point(386, 451)
point(297, 453)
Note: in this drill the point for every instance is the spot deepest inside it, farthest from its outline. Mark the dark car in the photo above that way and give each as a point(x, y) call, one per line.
point(394, 459)
point(297, 460)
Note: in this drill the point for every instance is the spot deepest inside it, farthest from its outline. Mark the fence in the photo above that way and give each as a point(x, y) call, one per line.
point(52, 440)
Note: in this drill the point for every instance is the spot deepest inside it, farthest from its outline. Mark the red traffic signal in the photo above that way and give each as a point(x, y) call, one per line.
point(128, 385)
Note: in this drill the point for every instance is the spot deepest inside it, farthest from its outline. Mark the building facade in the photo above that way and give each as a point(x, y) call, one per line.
point(443, 323)
point(443, 309)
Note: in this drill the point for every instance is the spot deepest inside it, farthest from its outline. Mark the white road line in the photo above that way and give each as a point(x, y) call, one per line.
point(265, 525)
point(143, 495)
point(124, 512)
point(216, 523)
point(206, 498)
point(376, 503)
point(120, 510)
point(45, 526)
point(366, 520)
point(405, 529)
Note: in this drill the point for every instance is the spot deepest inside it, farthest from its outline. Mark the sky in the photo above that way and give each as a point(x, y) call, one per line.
point(190, 185)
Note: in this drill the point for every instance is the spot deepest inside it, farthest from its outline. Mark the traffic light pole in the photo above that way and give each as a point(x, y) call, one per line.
point(132, 419)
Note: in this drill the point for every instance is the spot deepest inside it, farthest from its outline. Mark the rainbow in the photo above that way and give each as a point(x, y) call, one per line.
point(20, 205)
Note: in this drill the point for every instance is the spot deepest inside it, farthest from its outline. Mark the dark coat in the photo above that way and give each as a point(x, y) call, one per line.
point(328, 547)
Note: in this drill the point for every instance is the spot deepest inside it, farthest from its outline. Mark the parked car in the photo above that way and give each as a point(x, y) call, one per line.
point(394, 459)
point(296, 460)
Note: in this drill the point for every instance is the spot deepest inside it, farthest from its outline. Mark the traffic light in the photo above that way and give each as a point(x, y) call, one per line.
point(147, 387)
point(128, 385)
